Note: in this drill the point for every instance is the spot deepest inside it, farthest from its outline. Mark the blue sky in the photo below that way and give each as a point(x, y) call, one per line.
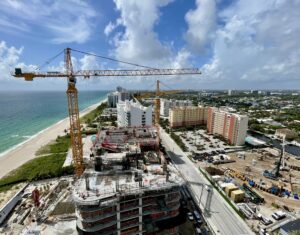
point(237, 44)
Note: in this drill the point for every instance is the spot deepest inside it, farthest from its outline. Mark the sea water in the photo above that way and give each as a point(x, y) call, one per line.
point(25, 113)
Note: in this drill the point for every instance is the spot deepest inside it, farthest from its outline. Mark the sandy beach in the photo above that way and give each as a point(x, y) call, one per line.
point(24, 152)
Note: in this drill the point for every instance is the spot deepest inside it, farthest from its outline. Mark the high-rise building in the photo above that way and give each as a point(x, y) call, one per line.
point(132, 114)
point(114, 97)
point(124, 95)
point(187, 116)
point(166, 105)
point(231, 126)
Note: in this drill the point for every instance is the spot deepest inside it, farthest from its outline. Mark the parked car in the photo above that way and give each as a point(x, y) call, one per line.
point(190, 216)
point(198, 230)
point(198, 217)
point(264, 220)
point(278, 215)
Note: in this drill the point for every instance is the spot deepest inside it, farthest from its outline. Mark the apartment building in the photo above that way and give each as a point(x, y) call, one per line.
point(114, 97)
point(232, 127)
point(187, 116)
point(131, 114)
point(166, 105)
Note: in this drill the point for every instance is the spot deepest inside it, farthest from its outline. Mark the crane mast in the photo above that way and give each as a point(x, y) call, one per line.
point(72, 94)
point(75, 133)
point(157, 103)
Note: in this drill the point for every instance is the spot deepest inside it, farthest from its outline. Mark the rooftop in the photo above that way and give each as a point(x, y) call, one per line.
point(293, 226)
point(106, 184)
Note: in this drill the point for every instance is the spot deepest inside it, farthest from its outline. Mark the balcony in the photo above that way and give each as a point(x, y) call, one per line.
point(130, 231)
point(129, 206)
point(94, 216)
point(129, 215)
point(91, 227)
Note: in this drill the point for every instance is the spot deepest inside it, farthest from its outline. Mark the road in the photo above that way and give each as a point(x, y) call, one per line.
point(220, 216)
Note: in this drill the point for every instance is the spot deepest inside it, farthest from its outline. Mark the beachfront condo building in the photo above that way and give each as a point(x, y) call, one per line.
point(114, 97)
point(166, 105)
point(231, 126)
point(187, 116)
point(133, 114)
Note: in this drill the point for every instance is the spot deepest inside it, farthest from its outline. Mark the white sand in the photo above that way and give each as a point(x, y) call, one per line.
point(25, 151)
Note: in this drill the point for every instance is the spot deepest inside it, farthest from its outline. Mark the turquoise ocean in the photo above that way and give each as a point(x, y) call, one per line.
point(25, 113)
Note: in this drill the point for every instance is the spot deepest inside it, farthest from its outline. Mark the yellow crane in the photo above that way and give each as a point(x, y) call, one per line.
point(72, 93)
point(157, 94)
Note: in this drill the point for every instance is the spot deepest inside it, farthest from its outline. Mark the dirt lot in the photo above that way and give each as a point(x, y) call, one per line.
point(254, 163)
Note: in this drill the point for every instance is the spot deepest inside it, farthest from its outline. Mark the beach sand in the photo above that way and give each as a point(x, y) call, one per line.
point(24, 152)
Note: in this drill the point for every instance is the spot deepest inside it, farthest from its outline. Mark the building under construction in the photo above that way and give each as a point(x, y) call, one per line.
point(128, 139)
point(127, 190)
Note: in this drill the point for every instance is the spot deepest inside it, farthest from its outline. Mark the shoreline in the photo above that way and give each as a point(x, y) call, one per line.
point(25, 151)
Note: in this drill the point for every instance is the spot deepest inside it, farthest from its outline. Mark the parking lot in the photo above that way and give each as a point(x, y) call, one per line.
point(201, 145)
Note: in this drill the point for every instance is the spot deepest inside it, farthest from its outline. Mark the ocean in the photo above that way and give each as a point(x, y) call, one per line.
point(25, 113)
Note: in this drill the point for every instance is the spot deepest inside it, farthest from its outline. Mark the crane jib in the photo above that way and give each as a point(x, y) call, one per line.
point(103, 73)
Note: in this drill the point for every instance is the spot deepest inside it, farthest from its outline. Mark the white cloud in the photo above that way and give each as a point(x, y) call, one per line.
point(9, 57)
point(110, 27)
point(139, 43)
point(201, 25)
point(66, 21)
point(258, 42)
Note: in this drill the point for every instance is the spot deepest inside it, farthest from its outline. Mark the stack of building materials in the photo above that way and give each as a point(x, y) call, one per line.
point(229, 188)
point(237, 195)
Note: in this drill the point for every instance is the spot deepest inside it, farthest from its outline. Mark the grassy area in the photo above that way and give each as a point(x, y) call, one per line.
point(42, 167)
point(178, 141)
point(36, 169)
point(60, 145)
point(89, 117)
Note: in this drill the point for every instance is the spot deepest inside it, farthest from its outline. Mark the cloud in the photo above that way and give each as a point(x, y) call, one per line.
point(257, 43)
point(110, 27)
point(201, 25)
point(9, 57)
point(66, 21)
point(138, 42)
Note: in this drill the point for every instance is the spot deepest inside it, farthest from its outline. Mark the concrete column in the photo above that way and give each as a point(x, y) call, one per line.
point(140, 215)
point(118, 218)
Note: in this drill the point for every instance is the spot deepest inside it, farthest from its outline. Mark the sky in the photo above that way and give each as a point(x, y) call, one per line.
point(237, 44)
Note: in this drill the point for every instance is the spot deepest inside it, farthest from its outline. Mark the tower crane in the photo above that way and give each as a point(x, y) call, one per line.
point(72, 93)
point(158, 93)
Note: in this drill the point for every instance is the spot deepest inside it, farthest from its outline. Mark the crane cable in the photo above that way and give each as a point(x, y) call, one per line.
point(166, 85)
point(108, 58)
point(49, 61)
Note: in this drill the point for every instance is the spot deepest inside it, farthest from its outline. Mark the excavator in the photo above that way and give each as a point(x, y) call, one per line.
point(72, 93)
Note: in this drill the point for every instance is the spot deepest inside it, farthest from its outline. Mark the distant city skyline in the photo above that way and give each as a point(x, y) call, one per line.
point(237, 44)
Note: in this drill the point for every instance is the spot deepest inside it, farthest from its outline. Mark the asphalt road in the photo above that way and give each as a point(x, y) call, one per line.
point(220, 216)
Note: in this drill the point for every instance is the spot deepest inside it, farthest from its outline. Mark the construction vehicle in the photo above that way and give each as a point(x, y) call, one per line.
point(72, 93)
point(252, 195)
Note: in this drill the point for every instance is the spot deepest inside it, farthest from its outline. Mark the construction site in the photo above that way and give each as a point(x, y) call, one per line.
point(260, 182)
point(122, 184)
